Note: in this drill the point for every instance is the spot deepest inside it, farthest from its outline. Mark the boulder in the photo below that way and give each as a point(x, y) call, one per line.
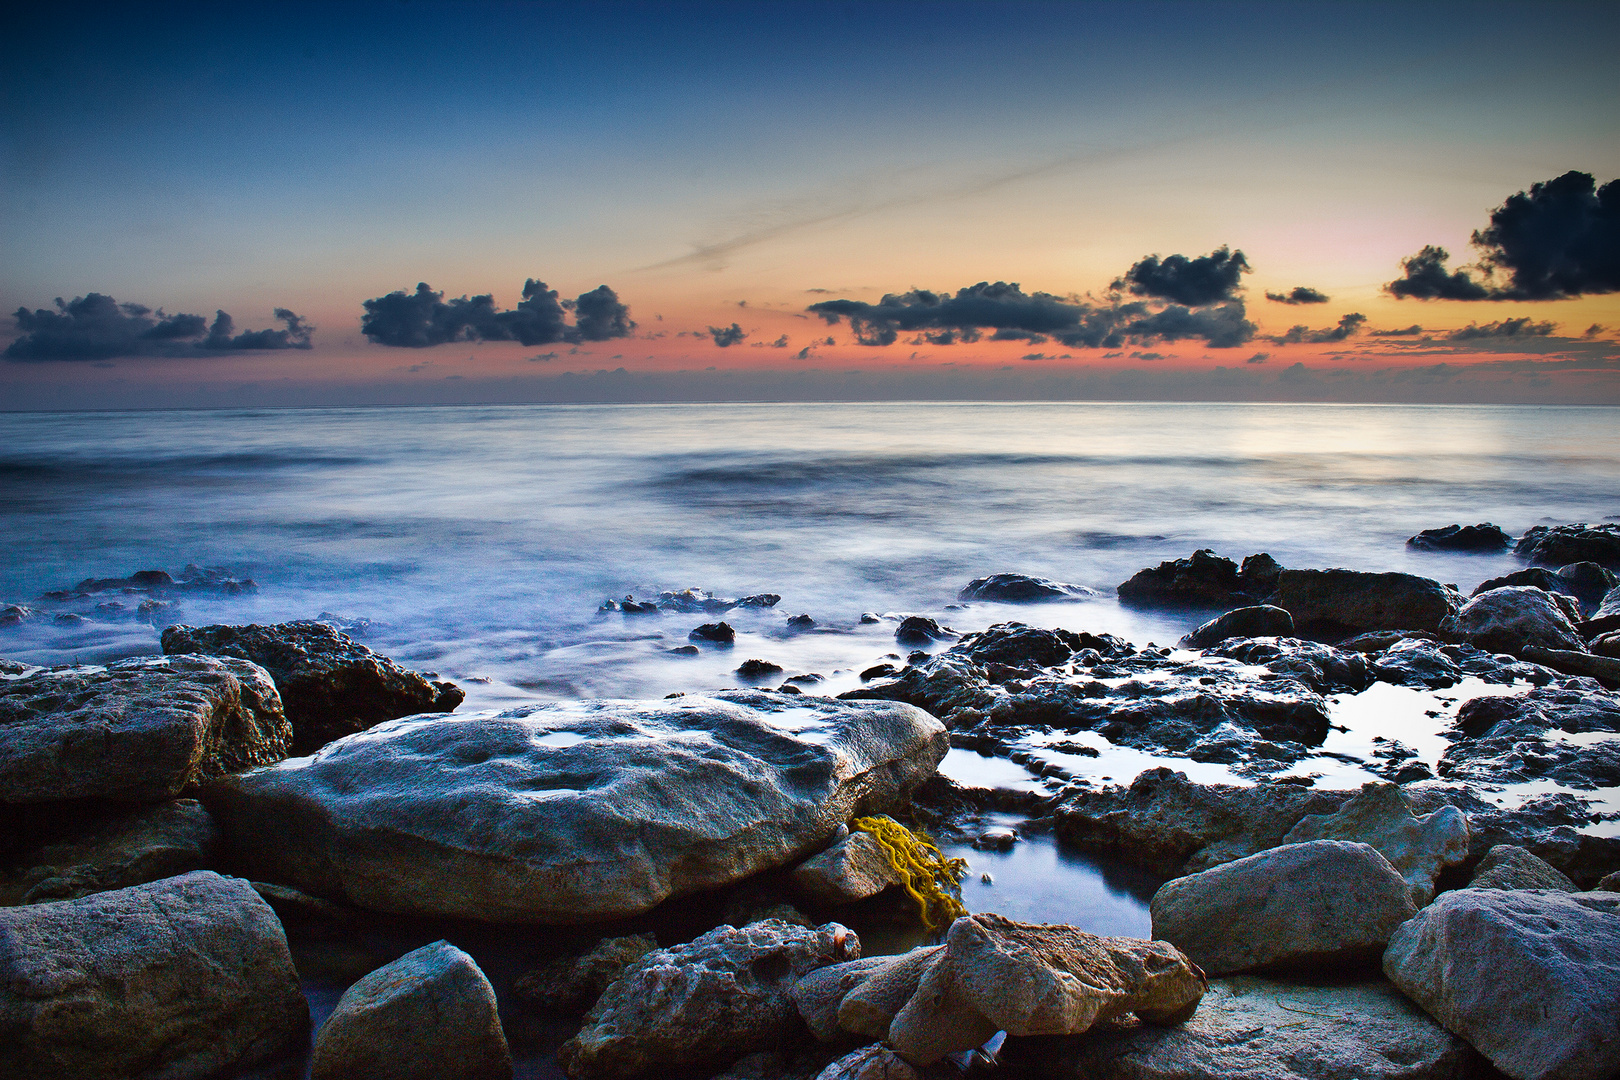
point(1323, 904)
point(1512, 617)
point(1419, 848)
point(1609, 882)
point(1558, 545)
point(1022, 589)
point(138, 730)
point(1508, 866)
point(715, 633)
point(180, 978)
point(1344, 602)
point(920, 631)
point(1249, 1028)
point(573, 811)
point(571, 984)
point(1528, 977)
point(852, 869)
point(1604, 669)
point(870, 1006)
point(725, 994)
point(1484, 537)
point(819, 994)
point(330, 684)
point(870, 1063)
point(1606, 645)
point(1203, 579)
point(430, 1015)
point(118, 851)
point(1262, 620)
point(1610, 606)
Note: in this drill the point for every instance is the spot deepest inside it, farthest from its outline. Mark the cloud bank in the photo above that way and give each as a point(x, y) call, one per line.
point(1300, 294)
point(424, 318)
point(97, 327)
point(1207, 279)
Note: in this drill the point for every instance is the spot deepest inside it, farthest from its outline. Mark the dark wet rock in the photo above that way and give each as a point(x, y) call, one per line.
point(919, 630)
point(1508, 866)
point(68, 618)
point(1249, 1028)
point(296, 906)
point(1339, 603)
point(1610, 607)
point(159, 614)
point(1322, 668)
point(330, 684)
point(875, 1062)
point(852, 869)
point(758, 670)
point(689, 602)
point(1416, 661)
point(10, 669)
point(430, 1015)
point(1528, 977)
point(138, 730)
point(1261, 620)
point(1022, 589)
point(1606, 645)
point(356, 626)
point(1485, 537)
point(116, 852)
point(879, 671)
point(1418, 847)
point(186, 977)
point(1321, 905)
point(686, 650)
point(717, 633)
point(1203, 579)
point(207, 580)
point(1588, 582)
point(1604, 669)
point(574, 811)
point(811, 679)
point(571, 984)
point(726, 994)
point(1552, 826)
point(1570, 735)
point(801, 622)
point(1513, 617)
point(1609, 883)
point(1559, 545)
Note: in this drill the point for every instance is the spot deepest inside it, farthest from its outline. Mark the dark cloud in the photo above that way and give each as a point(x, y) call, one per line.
point(1258, 358)
point(1406, 331)
point(1207, 279)
point(1426, 278)
point(1593, 331)
point(424, 318)
point(1348, 326)
point(97, 328)
point(1301, 294)
point(727, 336)
point(1506, 328)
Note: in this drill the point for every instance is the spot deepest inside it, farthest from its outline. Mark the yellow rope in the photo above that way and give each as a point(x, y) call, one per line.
point(931, 878)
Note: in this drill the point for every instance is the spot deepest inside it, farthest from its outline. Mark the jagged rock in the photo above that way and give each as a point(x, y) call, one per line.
point(1610, 607)
point(1203, 579)
point(1249, 1028)
point(725, 994)
point(1322, 668)
point(1344, 602)
point(852, 869)
point(921, 631)
point(1418, 848)
point(430, 1015)
point(801, 622)
point(1262, 620)
point(691, 601)
point(138, 730)
point(718, 633)
point(1515, 739)
point(572, 984)
point(1022, 589)
point(187, 977)
point(330, 684)
point(119, 851)
point(1610, 882)
point(1558, 545)
point(1553, 826)
point(870, 1063)
point(1514, 616)
point(1320, 904)
point(1529, 977)
point(573, 811)
point(1485, 537)
point(1507, 866)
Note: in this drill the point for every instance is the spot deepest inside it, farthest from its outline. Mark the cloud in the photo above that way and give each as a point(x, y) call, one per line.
point(1147, 356)
point(1406, 331)
point(1258, 358)
point(424, 319)
point(1426, 278)
point(1593, 331)
point(96, 327)
point(1207, 279)
point(1506, 328)
point(1348, 326)
point(1301, 294)
point(728, 336)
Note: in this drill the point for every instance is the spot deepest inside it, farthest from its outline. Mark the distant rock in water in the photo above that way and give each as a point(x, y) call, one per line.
point(921, 631)
point(1558, 545)
point(1262, 620)
point(1483, 537)
point(758, 670)
point(217, 580)
point(689, 602)
point(1203, 579)
point(715, 633)
point(1587, 582)
point(1023, 589)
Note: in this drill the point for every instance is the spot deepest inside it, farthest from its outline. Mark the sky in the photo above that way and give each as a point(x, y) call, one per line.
point(285, 205)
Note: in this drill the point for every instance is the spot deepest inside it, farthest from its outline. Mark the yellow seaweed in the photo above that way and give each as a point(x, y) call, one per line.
point(927, 875)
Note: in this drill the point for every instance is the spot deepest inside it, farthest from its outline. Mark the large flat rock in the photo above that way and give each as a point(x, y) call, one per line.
point(1353, 601)
point(577, 811)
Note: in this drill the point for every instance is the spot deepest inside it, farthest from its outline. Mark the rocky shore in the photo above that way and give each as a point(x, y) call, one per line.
point(187, 836)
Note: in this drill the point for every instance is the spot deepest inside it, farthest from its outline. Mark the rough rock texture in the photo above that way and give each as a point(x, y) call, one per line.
point(1514, 616)
point(1022, 589)
point(1343, 602)
point(690, 601)
point(796, 1063)
point(1567, 734)
point(1249, 1028)
point(1419, 848)
point(331, 685)
point(852, 869)
point(576, 811)
point(122, 850)
point(430, 1015)
point(1553, 826)
point(1556, 545)
point(1530, 978)
point(1261, 620)
point(919, 631)
point(819, 994)
point(1484, 537)
point(179, 978)
point(138, 730)
point(725, 994)
point(1508, 866)
point(869, 1008)
point(573, 983)
point(1604, 669)
point(1203, 579)
point(1586, 582)
point(1610, 605)
point(870, 1063)
point(1322, 904)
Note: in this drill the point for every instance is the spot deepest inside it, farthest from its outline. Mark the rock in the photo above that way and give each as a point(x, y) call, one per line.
point(1512, 617)
point(1507, 866)
point(1520, 739)
point(1022, 589)
point(123, 850)
point(852, 869)
point(1606, 645)
point(1262, 620)
point(138, 730)
point(873, 1062)
point(214, 580)
point(819, 994)
point(1322, 904)
point(758, 670)
point(1485, 537)
point(725, 994)
point(1344, 602)
point(1418, 848)
point(1249, 1028)
point(15, 614)
point(185, 977)
point(1580, 664)
point(1610, 607)
point(1558, 545)
point(716, 633)
point(801, 623)
point(294, 906)
point(918, 630)
point(430, 1015)
point(1588, 583)
point(1528, 977)
point(869, 1008)
point(573, 811)
point(1553, 826)
point(1203, 579)
point(571, 984)
point(330, 684)
point(1610, 882)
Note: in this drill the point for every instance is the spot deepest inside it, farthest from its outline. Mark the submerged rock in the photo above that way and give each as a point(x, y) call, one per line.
point(1344, 602)
point(1262, 620)
point(919, 630)
point(577, 811)
point(1507, 866)
point(573, 983)
point(217, 580)
point(330, 684)
point(1203, 579)
point(115, 852)
point(1513, 617)
point(1418, 847)
point(1558, 545)
point(1484, 537)
point(1022, 589)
